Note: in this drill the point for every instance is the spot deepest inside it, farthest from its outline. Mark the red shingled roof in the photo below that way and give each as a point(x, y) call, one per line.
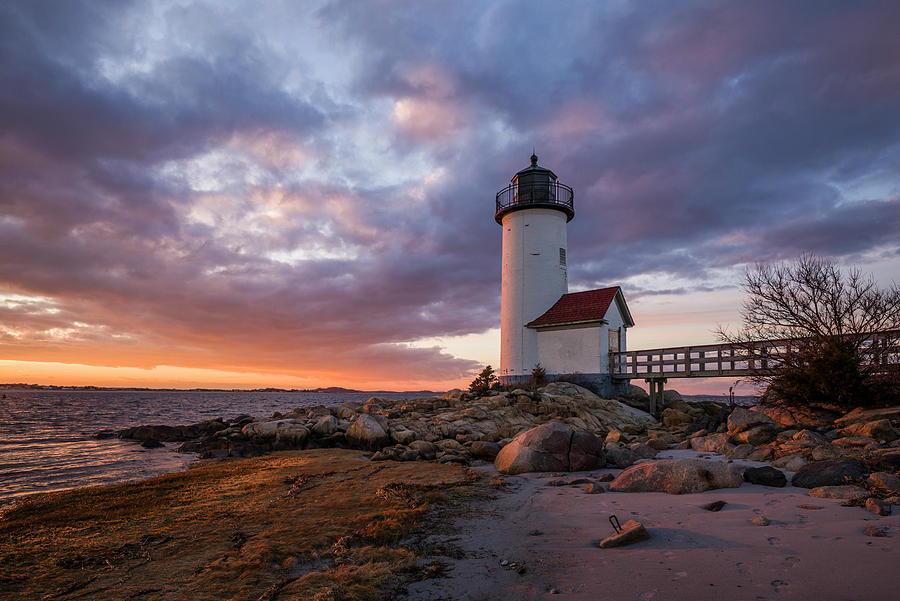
point(577, 307)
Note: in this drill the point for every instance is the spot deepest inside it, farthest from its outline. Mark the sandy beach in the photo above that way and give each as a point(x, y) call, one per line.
point(813, 549)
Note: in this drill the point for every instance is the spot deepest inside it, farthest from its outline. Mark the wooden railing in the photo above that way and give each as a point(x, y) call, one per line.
point(881, 349)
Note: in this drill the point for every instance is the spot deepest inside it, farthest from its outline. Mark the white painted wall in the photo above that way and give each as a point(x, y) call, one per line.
point(531, 280)
point(573, 350)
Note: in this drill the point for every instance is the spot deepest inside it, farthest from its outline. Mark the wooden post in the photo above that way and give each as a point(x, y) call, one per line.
point(687, 362)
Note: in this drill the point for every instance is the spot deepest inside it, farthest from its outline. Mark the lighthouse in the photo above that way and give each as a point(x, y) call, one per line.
point(571, 335)
point(533, 211)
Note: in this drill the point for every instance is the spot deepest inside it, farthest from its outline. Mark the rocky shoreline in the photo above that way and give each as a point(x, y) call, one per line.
point(564, 427)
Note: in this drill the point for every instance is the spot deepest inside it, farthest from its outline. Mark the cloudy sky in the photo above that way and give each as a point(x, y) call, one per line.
point(301, 193)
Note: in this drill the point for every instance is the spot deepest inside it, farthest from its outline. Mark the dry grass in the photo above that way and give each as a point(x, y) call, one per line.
point(317, 524)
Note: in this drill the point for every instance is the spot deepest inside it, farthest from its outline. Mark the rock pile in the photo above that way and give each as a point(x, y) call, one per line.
point(564, 427)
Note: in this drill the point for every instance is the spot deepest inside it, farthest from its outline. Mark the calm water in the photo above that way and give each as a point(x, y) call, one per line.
point(46, 439)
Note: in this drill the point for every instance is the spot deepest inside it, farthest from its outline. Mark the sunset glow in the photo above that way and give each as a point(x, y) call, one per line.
point(242, 195)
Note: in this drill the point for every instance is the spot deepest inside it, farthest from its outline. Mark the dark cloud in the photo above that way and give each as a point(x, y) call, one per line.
point(185, 184)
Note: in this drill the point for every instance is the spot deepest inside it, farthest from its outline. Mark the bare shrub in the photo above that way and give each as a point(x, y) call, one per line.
point(829, 317)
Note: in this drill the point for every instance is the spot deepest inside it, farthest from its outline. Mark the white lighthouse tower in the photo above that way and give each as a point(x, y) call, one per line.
point(533, 212)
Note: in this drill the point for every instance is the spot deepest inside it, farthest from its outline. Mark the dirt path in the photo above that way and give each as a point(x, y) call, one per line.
point(818, 552)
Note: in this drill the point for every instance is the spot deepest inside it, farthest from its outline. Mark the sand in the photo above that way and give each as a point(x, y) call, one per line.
point(809, 554)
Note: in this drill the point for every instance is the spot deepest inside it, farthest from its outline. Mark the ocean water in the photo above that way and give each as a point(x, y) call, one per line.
point(47, 444)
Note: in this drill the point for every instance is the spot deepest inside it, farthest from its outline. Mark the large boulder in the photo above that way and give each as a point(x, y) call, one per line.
point(742, 419)
point(881, 430)
point(637, 397)
point(585, 451)
point(757, 435)
point(673, 418)
point(677, 477)
point(326, 426)
point(550, 447)
point(482, 449)
point(765, 476)
point(869, 415)
point(367, 433)
point(608, 413)
point(172, 433)
point(829, 473)
point(281, 434)
point(787, 416)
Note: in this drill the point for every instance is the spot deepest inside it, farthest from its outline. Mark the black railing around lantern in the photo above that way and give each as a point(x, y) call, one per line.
point(550, 195)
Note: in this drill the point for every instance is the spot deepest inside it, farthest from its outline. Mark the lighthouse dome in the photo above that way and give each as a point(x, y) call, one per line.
point(535, 187)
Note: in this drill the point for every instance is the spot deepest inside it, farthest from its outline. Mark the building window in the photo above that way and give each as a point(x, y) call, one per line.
point(562, 257)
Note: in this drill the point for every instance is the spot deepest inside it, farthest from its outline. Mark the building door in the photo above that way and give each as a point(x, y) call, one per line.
point(614, 340)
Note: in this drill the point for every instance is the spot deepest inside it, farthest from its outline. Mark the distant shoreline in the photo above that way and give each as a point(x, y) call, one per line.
point(328, 390)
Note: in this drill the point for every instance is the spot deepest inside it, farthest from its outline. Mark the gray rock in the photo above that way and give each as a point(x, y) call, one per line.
point(484, 450)
point(425, 449)
point(828, 473)
point(869, 415)
point(585, 451)
point(884, 483)
point(403, 436)
point(742, 451)
point(742, 419)
point(765, 476)
point(674, 418)
point(756, 435)
point(366, 433)
point(889, 459)
point(838, 492)
point(713, 443)
point(880, 430)
point(594, 488)
point(620, 457)
point(878, 506)
point(282, 433)
point(677, 476)
point(791, 463)
point(326, 426)
point(642, 450)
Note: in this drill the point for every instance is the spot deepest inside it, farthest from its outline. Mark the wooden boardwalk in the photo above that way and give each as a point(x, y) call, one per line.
point(655, 366)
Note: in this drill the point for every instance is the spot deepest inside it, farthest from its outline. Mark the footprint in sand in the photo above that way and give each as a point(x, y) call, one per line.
point(774, 541)
point(778, 585)
point(791, 561)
